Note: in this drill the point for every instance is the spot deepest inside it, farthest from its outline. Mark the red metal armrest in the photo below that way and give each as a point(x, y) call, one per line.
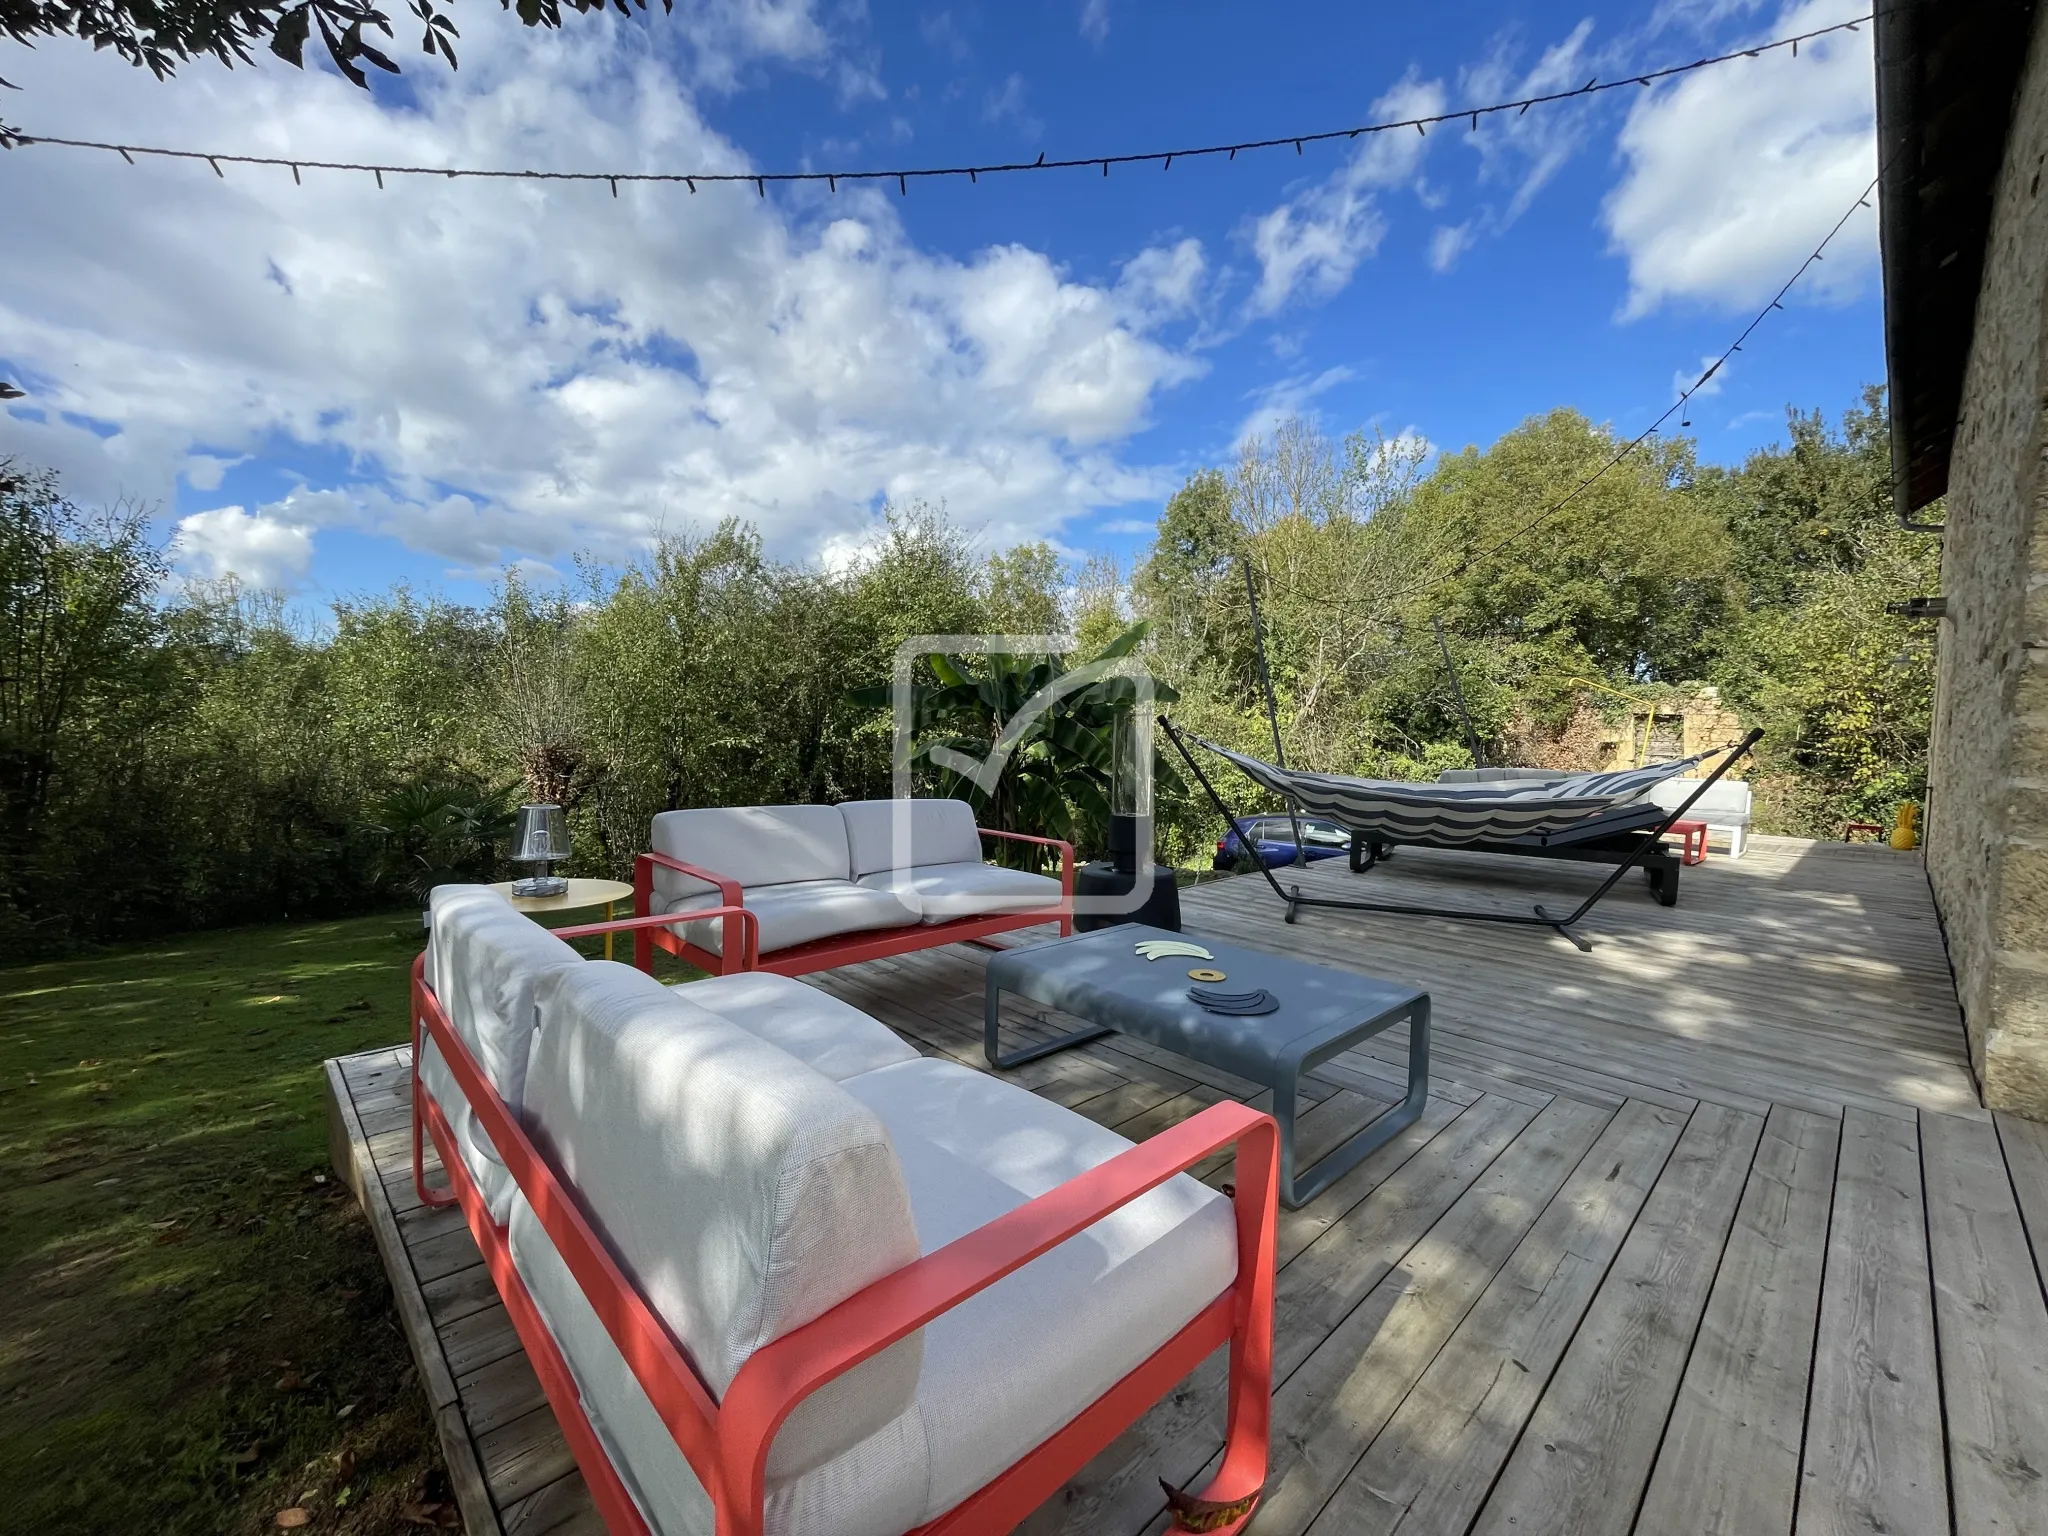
point(1066, 854)
point(780, 1375)
point(750, 928)
point(730, 894)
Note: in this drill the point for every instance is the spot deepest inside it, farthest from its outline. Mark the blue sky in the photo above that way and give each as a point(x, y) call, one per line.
point(330, 388)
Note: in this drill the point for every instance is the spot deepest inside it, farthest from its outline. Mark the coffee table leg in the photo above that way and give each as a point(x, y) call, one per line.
point(1368, 1141)
point(609, 914)
point(991, 1027)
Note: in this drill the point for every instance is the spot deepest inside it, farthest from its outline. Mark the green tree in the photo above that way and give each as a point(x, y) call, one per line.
point(1020, 590)
point(159, 35)
point(1843, 688)
point(80, 646)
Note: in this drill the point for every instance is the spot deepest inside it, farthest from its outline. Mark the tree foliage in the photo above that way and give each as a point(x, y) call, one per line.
point(1559, 601)
point(176, 756)
point(159, 35)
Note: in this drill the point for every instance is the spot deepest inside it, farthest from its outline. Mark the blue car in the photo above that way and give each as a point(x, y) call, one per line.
point(1273, 838)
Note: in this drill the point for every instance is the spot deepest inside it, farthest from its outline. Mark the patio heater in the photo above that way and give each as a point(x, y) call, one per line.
point(540, 836)
point(1130, 834)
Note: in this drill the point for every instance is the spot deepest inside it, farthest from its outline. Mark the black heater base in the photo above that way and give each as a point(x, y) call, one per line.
point(1102, 878)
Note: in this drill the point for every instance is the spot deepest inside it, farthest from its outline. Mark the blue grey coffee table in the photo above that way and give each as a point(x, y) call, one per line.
point(1100, 978)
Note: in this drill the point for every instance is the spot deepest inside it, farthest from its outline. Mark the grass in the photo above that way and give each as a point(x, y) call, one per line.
point(197, 1333)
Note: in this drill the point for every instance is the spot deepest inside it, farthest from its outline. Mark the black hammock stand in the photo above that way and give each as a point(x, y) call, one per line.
point(1647, 840)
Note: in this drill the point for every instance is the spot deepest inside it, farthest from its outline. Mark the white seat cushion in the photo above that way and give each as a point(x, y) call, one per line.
point(863, 1491)
point(798, 913)
point(828, 1035)
point(743, 1192)
point(484, 960)
point(937, 892)
point(753, 844)
point(1003, 1371)
point(1006, 1369)
point(902, 834)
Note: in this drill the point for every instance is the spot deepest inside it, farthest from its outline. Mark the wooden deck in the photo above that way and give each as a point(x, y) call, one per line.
point(1704, 1231)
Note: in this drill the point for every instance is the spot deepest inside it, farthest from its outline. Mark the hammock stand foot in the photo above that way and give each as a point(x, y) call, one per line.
point(1563, 926)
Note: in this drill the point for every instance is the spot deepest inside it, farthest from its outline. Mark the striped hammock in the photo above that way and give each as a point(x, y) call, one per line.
point(1400, 811)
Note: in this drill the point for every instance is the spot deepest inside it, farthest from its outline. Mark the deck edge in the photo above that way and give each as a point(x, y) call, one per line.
point(458, 1452)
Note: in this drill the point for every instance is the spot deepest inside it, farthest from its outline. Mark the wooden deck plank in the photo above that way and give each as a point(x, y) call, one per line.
point(1464, 1298)
point(1390, 1200)
point(1588, 1449)
point(524, 1455)
point(1993, 1328)
point(1355, 1379)
point(466, 1476)
point(2025, 1143)
point(1742, 1403)
point(1874, 1444)
point(562, 1508)
point(1431, 1467)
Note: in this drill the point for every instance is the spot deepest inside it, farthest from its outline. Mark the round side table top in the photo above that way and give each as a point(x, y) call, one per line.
point(581, 893)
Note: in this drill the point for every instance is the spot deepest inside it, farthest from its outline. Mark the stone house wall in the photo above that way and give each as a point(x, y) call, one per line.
point(1987, 814)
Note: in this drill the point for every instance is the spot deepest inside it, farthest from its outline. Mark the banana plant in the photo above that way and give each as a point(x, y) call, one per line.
point(1024, 739)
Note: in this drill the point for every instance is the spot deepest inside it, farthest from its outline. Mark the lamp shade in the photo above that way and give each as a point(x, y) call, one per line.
point(540, 835)
point(1130, 763)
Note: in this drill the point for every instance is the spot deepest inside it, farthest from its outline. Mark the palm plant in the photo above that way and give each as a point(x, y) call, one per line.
point(1024, 739)
point(430, 834)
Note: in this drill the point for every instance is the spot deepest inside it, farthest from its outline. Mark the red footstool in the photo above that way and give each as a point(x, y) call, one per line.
point(1692, 840)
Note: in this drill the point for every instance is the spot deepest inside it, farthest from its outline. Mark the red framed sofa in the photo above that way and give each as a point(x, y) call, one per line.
point(780, 1275)
point(832, 884)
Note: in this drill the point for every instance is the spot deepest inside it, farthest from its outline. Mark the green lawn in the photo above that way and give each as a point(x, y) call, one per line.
point(196, 1332)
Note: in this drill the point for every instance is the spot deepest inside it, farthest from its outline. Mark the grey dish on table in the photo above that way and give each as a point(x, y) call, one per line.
point(1100, 978)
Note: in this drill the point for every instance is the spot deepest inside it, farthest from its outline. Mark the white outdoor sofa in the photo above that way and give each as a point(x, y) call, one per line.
point(1725, 808)
point(832, 884)
point(779, 1273)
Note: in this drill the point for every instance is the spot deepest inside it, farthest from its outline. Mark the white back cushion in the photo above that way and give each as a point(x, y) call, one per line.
point(901, 834)
point(753, 844)
point(1725, 797)
point(484, 961)
point(818, 1029)
point(743, 1192)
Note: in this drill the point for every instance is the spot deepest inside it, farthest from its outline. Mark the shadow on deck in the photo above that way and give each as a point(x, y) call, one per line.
point(1704, 1231)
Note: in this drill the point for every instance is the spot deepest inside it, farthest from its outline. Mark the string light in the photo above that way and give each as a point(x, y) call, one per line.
point(903, 176)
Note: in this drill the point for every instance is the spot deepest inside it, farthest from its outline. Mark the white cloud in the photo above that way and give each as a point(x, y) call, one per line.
point(1095, 20)
point(1526, 149)
point(260, 550)
point(1734, 174)
point(1288, 397)
point(526, 369)
point(1449, 243)
point(1007, 106)
point(1313, 242)
point(1164, 281)
point(204, 471)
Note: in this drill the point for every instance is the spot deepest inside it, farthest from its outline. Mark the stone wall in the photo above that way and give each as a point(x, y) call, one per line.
point(1987, 816)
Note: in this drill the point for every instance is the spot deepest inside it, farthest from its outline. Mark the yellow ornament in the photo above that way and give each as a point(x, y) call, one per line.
point(1906, 835)
point(1203, 973)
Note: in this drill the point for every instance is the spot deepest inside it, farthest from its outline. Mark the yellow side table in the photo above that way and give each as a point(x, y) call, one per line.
point(581, 893)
